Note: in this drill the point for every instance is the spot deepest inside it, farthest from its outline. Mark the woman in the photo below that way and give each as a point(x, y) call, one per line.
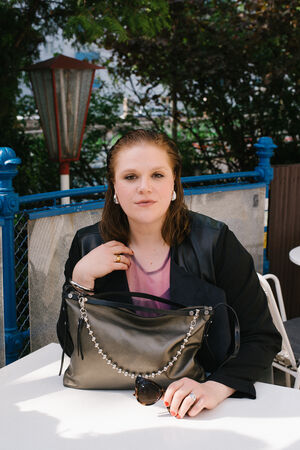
point(148, 241)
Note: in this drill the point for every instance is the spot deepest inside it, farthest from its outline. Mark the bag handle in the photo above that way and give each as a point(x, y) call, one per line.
point(175, 312)
point(104, 295)
point(235, 328)
point(236, 334)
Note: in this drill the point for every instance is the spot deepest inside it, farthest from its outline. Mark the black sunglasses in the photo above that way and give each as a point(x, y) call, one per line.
point(147, 392)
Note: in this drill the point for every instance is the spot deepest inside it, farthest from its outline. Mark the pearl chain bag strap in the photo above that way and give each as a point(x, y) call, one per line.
point(113, 344)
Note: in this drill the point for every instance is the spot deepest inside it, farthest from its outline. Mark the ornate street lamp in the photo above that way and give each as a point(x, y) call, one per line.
point(62, 89)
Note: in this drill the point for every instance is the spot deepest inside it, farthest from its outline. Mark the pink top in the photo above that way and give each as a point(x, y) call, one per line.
point(155, 283)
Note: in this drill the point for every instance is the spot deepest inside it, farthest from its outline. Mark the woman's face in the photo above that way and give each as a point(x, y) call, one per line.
point(144, 183)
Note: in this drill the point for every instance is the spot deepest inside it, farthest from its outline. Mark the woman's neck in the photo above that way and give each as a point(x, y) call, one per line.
point(149, 247)
point(145, 235)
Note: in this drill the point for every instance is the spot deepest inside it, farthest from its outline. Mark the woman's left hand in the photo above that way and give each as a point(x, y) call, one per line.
point(208, 395)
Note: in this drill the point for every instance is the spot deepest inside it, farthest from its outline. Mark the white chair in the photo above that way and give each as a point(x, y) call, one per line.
point(279, 298)
point(288, 359)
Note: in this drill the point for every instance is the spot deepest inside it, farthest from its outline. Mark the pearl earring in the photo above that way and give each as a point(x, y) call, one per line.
point(173, 196)
point(116, 201)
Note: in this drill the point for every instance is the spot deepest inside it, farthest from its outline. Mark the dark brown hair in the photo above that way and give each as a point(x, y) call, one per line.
point(114, 224)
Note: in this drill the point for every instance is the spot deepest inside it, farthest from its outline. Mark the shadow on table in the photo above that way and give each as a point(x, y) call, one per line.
point(27, 388)
point(38, 431)
point(23, 389)
point(41, 429)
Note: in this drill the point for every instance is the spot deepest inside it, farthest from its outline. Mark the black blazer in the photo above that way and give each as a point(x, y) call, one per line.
point(209, 267)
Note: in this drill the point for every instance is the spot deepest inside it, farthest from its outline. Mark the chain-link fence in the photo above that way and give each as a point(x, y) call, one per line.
point(21, 267)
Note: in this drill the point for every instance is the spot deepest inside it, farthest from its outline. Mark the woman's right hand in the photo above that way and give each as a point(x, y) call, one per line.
point(100, 261)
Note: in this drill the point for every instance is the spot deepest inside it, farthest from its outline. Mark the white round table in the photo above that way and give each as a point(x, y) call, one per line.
point(294, 255)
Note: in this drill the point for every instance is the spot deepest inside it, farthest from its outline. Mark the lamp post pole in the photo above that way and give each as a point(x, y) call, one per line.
point(64, 171)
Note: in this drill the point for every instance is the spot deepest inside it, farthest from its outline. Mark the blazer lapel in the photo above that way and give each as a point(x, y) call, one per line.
point(189, 289)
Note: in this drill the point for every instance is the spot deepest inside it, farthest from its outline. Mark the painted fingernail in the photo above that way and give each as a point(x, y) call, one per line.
point(167, 404)
point(178, 416)
point(173, 413)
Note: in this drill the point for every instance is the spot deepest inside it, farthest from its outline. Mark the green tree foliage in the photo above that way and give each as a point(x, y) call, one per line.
point(234, 63)
point(223, 71)
point(24, 26)
point(115, 21)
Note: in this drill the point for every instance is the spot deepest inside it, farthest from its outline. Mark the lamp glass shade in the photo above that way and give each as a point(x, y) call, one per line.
point(62, 97)
point(43, 92)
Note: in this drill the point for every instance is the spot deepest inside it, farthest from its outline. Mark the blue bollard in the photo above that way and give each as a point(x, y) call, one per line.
point(9, 205)
point(265, 147)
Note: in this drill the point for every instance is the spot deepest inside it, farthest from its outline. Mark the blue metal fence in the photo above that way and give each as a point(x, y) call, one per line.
point(15, 212)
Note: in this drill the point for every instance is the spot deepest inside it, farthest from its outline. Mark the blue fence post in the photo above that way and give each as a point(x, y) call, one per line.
point(9, 205)
point(265, 147)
